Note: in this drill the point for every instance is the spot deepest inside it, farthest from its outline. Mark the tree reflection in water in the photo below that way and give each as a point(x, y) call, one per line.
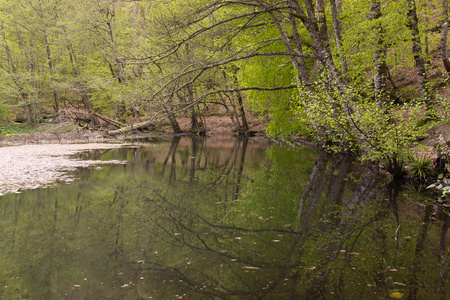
point(196, 219)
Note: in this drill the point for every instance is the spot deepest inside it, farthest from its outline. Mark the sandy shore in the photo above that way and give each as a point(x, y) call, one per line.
point(32, 166)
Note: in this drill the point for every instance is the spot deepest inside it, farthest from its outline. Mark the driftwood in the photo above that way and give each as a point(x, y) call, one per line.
point(145, 124)
point(109, 120)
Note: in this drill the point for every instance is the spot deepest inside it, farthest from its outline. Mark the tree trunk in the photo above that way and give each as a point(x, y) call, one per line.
point(379, 56)
point(28, 115)
point(321, 20)
point(145, 124)
point(84, 96)
point(12, 70)
point(320, 40)
point(50, 66)
point(173, 121)
point(88, 106)
point(303, 70)
point(233, 118)
point(244, 129)
point(287, 43)
point(337, 24)
point(195, 124)
point(417, 49)
point(444, 33)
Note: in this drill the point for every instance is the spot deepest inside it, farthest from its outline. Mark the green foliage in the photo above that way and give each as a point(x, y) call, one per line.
point(442, 188)
point(5, 113)
point(348, 120)
point(125, 55)
point(360, 36)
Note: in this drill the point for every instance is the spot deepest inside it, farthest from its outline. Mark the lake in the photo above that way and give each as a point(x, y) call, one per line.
point(222, 218)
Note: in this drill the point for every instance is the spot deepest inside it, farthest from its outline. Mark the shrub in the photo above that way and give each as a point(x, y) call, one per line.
point(350, 120)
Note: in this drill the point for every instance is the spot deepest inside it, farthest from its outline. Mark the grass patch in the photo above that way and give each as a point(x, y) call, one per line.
point(15, 129)
point(57, 127)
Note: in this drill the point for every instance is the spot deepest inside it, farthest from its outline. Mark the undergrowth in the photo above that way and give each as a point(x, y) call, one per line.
point(15, 129)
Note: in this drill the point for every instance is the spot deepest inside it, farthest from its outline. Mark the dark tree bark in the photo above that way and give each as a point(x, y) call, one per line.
point(321, 20)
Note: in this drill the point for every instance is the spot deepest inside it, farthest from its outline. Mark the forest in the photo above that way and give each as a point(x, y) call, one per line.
point(183, 213)
point(355, 74)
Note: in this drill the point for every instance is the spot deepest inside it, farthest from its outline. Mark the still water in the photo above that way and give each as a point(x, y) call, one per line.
point(210, 218)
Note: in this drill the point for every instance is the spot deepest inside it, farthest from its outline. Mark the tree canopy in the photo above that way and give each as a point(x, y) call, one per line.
point(332, 68)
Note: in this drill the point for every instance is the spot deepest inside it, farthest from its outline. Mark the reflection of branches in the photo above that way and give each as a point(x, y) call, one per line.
point(347, 226)
point(220, 291)
point(226, 172)
point(444, 263)
point(172, 152)
point(204, 241)
point(174, 208)
point(420, 245)
point(241, 168)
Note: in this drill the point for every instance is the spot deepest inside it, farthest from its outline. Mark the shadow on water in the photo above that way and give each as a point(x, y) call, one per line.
point(207, 218)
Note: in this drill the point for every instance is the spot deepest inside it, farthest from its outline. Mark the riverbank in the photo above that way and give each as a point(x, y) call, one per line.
point(72, 133)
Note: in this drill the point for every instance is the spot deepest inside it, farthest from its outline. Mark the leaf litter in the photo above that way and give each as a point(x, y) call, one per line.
point(33, 166)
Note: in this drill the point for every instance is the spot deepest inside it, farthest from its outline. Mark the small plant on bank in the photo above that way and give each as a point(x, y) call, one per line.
point(421, 168)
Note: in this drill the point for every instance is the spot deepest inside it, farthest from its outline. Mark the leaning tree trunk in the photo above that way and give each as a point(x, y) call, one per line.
point(444, 33)
point(173, 120)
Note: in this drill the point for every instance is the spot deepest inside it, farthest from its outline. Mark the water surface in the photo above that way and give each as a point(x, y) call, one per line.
point(223, 219)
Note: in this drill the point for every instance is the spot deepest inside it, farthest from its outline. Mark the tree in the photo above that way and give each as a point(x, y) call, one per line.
point(413, 24)
point(444, 34)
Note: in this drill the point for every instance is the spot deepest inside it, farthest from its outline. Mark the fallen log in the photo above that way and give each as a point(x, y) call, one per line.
point(109, 120)
point(145, 124)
